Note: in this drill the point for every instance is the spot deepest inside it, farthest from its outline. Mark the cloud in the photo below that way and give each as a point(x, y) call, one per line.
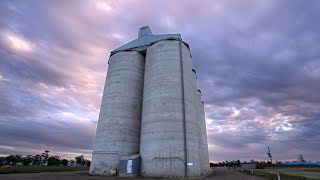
point(257, 64)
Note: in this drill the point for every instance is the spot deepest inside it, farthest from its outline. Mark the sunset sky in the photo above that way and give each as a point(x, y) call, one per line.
point(258, 66)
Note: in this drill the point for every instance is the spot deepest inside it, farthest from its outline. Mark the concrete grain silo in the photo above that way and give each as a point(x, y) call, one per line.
point(196, 117)
point(118, 130)
point(162, 145)
point(192, 140)
point(151, 111)
point(203, 143)
point(204, 147)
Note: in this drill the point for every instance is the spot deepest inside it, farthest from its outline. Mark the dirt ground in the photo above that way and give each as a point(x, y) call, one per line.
point(225, 174)
point(219, 174)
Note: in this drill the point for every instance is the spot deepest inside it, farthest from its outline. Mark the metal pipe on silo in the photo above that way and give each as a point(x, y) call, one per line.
point(183, 111)
point(118, 130)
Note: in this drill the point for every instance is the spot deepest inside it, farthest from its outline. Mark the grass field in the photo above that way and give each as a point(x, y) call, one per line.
point(35, 169)
point(288, 173)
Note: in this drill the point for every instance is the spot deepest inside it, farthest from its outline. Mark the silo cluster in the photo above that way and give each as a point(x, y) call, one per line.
point(152, 110)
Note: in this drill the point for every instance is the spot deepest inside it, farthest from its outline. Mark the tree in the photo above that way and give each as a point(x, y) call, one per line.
point(237, 163)
point(269, 162)
point(44, 158)
point(37, 160)
point(278, 162)
point(88, 163)
point(27, 160)
point(54, 161)
point(10, 159)
point(64, 162)
point(18, 158)
point(80, 160)
point(2, 160)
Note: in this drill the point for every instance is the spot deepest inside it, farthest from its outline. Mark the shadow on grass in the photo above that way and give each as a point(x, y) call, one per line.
point(36, 169)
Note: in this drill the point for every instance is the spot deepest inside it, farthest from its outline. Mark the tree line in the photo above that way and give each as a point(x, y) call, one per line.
point(43, 159)
point(238, 163)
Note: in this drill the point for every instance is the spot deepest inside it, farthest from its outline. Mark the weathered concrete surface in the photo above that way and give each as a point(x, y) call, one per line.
point(162, 131)
point(161, 144)
point(192, 126)
point(196, 119)
point(204, 158)
point(118, 130)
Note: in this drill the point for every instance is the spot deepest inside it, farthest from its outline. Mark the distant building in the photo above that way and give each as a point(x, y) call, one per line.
point(248, 166)
point(301, 163)
point(72, 163)
point(19, 164)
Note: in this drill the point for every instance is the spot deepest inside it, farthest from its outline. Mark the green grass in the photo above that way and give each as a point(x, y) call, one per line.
point(287, 173)
point(35, 169)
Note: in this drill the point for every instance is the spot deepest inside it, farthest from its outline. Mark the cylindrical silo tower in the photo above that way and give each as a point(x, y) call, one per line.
point(203, 143)
point(165, 145)
point(203, 127)
point(192, 126)
point(118, 130)
point(162, 132)
point(197, 106)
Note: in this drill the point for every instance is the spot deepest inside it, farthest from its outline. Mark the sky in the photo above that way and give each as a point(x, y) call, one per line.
point(258, 66)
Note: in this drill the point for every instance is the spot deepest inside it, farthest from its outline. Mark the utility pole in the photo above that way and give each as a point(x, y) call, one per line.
point(269, 154)
point(301, 158)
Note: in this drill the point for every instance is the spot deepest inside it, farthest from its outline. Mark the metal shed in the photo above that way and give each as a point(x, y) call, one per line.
point(130, 165)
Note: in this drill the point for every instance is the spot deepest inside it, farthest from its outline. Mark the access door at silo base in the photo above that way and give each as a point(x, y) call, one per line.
point(129, 166)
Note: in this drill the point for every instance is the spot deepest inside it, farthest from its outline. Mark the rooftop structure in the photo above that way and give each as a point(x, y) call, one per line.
point(144, 40)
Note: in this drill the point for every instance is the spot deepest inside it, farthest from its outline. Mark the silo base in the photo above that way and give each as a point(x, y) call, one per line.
point(104, 164)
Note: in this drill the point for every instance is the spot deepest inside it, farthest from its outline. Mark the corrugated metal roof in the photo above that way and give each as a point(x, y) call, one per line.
point(144, 40)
